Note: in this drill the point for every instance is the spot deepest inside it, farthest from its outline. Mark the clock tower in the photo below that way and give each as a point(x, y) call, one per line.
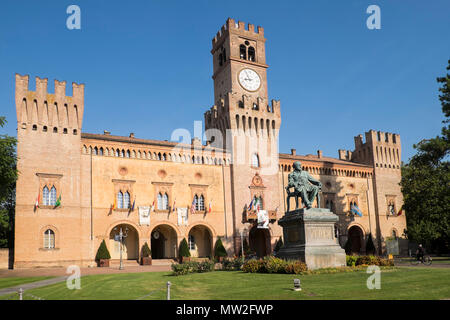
point(244, 122)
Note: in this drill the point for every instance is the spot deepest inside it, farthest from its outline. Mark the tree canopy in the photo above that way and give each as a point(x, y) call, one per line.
point(426, 183)
point(8, 177)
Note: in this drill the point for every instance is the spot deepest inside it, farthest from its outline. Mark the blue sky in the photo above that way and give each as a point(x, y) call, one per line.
point(147, 65)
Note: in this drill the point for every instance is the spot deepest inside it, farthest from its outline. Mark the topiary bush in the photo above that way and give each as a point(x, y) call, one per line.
point(278, 245)
point(348, 246)
point(184, 250)
point(370, 247)
point(219, 249)
point(146, 252)
point(102, 252)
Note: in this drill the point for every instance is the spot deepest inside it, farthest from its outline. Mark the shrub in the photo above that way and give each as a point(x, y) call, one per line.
point(370, 247)
point(253, 266)
point(373, 260)
point(191, 267)
point(295, 267)
point(351, 261)
point(274, 265)
point(219, 249)
point(184, 250)
point(205, 266)
point(234, 264)
point(348, 246)
point(102, 252)
point(146, 252)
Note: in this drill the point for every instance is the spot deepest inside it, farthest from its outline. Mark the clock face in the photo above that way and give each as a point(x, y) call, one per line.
point(249, 79)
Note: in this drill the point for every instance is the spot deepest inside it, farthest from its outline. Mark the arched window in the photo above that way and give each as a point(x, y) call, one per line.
point(120, 200)
point(165, 202)
point(251, 54)
point(52, 196)
point(46, 196)
point(191, 242)
point(128, 153)
point(196, 203)
point(243, 52)
point(160, 201)
point(255, 160)
point(126, 200)
point(201, 203)
point(394, 234)
point(95, 151)
point(101, 151)
point(49, 239)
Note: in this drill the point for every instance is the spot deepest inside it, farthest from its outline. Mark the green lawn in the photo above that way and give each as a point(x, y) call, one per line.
point(15, 281)
point(402, 283)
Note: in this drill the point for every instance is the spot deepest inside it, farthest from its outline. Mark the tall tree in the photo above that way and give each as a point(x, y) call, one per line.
point(8, 176)
point(426, 183)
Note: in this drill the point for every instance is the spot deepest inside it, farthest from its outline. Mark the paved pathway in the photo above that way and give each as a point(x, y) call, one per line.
point(31, 285)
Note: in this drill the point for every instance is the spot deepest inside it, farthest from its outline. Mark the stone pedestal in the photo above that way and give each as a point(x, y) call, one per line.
point(308, 236)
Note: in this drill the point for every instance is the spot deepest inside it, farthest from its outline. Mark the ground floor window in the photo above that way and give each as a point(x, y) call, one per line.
point(49, 239)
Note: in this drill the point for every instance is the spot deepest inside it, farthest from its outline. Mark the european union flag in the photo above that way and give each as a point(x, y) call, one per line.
point(356, 210)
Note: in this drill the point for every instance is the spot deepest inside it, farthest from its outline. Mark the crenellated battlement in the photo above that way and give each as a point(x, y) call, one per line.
point(380, 149)
point(237, 27)
point(43, 111)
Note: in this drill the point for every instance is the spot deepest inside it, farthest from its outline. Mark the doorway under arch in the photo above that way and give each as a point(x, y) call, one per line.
point(130, 243)
point(356, 235)
point(200, 241)
point(259, 241)
point(163, 239)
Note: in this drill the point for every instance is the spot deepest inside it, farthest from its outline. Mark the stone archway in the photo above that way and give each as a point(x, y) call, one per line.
point(164, 243)
point(200, 241)
point(259, 241)
point(130, 243)
point(356, 235)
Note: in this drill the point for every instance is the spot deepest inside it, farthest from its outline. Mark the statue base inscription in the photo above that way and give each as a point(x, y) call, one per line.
point(309, 236)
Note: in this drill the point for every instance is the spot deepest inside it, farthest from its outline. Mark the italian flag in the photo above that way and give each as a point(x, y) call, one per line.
point(153, 206)
point(210, 207)
point(58, 202)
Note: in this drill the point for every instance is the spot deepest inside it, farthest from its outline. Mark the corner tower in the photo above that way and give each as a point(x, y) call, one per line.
point(244, 122)
point(49, 165)
point(382, 151)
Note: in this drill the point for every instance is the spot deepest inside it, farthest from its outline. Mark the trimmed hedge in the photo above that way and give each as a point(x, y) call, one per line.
point(368, 261)
point(272, 264)
point(192, 267)
point(234, 264)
